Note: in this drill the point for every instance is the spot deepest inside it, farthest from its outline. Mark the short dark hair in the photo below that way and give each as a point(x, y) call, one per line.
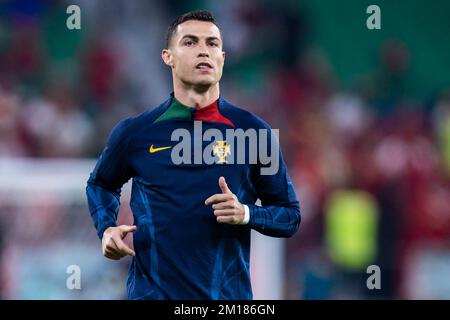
point(200, 15)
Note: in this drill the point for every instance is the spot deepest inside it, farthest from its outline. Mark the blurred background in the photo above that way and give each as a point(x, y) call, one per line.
point(364, 119)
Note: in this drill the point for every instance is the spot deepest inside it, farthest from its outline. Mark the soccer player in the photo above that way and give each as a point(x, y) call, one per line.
point(192, 220)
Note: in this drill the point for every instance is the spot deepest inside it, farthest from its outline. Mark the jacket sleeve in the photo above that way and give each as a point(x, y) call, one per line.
point(279, 215)
point(105, 182)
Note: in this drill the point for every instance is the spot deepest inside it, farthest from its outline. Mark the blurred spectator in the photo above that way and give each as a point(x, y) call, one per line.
point(12, 140)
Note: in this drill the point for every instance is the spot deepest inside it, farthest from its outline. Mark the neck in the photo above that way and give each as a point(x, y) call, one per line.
point(195, 96)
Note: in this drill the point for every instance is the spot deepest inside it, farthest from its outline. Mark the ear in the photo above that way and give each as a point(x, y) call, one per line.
point(223, 55)
point(166, 55)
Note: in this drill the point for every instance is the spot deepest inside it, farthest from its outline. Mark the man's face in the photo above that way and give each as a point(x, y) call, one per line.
point(195, 53)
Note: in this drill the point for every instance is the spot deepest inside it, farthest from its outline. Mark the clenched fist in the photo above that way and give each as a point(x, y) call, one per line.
point(113, 245)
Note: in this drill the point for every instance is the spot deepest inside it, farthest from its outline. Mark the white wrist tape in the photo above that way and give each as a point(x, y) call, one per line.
point(246, 215)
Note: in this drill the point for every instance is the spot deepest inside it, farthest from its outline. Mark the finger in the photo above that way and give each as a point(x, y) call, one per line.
point(112, 254)
point(112, 257)
point(219, 197)
point(112, 249)
point(226, 212)
point(224, 205)
point(122, 247)
point(108, 243)
point(223, 185)
point(226, 219)
point(124, 229)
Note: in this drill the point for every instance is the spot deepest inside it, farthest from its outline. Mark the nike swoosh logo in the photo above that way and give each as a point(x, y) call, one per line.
point(153, 150)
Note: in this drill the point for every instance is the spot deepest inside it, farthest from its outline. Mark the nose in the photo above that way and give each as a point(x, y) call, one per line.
point(203, 52)
point(203, 55)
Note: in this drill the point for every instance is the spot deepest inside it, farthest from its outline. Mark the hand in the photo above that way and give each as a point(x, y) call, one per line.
point(226, 205)
point(113, 245)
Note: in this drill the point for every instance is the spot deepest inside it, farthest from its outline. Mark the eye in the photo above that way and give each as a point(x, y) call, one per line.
point(189, 43)
point(213, 44)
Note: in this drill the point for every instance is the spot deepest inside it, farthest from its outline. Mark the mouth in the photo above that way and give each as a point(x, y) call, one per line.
point(204, 66)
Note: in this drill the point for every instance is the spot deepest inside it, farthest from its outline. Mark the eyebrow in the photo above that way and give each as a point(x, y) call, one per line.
point(193, 37)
